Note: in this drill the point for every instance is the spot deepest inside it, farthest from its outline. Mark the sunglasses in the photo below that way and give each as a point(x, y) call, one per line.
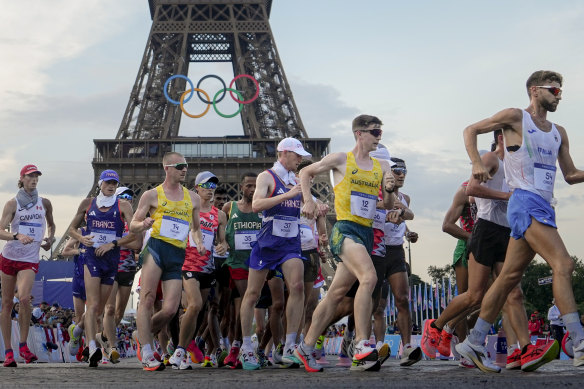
point(375, 132)
point(554, 91)
point(178, 166)
point(125, 196)
point(400, 170)
point(208, 185)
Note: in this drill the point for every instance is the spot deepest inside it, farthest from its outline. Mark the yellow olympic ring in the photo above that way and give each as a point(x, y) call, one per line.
point(182, 108)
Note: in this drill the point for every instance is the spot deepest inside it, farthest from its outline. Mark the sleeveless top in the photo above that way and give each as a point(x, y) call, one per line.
point(394, 233)
point(105, 227)
point(356, 194)
point(241, 230)
point(203, 263)
point(494, 210)
point(172, 219)
point(468, 215)
point(29, 222)
point(533, 166)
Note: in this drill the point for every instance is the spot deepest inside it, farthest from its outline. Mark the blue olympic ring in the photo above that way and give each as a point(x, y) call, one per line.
point(168, 82)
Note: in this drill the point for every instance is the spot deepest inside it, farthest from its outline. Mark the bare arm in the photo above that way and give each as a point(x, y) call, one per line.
point(7, 216)
point(50, 239)
point(196, 223)
point(264, 186)
point(71, 248)
point(449, 224)
point(474, 187)
point(226, 209)
point(388, 185)
point(221, 247)
point(571, 174)
point(140, 222)
point(78, 219)
point(508, 119)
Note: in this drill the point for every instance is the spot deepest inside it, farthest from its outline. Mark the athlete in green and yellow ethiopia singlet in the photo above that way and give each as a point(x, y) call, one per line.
point(242, 229)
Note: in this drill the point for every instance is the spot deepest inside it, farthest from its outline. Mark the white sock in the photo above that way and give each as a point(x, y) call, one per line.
point(511, 348)
point(290, 340)
point(92, 346)
point(448, 329)
point(379, 344)
point(146, 351)
point(77, 331)
point(247, 345)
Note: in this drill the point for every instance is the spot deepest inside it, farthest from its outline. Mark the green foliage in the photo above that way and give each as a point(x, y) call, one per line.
point(438, 273)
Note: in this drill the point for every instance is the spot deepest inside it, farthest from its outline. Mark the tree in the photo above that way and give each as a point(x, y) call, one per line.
point(438, 273)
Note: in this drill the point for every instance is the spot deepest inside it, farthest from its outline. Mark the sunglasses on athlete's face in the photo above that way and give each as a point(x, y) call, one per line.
point(125, 196)
point(553, 90)
point(208, 185)
point(399, 170)
point(178, 166)
point(375, 132)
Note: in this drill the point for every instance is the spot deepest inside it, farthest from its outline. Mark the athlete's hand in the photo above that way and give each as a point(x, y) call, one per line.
point(48, 243)
point(322, 209)
point(104, 248)
point(221, 248)
point(87, 240)
point(24, 239)
point(393, 216)
point(201, 248)
point(479, 172)
point(147, 223)
point(310, 209)
point(412, 236)
point(295, 191)
point(388, 182)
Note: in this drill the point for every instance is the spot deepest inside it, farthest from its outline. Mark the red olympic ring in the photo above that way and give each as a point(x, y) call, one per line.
point(255, 96)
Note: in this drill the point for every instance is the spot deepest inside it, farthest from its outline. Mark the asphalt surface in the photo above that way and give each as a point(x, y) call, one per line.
point(425, 374)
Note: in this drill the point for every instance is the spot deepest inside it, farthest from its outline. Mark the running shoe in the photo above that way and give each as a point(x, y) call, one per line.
point(85, 354)
point(478, 355)
point(27, 355)
point(9, 360)
point(579, 354)
point(99, 339)
point(444, 343)
point(262, 359)
point(170, 348)
point(466, 363)
point(430, 339)
point(290, 359)
point(365, 358)
point(95, 357)
point(150, 363)
point(536, 356)
point(165, 359)
point(277, 354)
point(207, 362)
point(514, 360)
point(79, 355)
point(138, 348)
point(73, 341)
point(232, 357)
point(346, 344)
point(113, 355)
point(249, 361)
point(568, 345)
point(308, 359)
point(177, 357)
point(221, 355)
point(410, 355)
point(186, 363)
point(384, 352)
point(196, 353)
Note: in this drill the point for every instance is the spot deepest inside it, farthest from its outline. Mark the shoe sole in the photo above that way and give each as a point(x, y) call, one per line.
point(13, 364)
point(114, 357)
point(383, 353)
point(513, 366)
point(157, 368)
point(306, 366)
point(472, 357)
point(366, 366)
point(413, 358)
point(95, 358)
point(549, 356)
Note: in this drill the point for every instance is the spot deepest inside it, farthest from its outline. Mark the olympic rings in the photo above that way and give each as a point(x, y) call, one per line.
point(211, 76)
point(182, 108)
point(257, 85)
point(230, 91)
point(172, 78)
point(216, 99)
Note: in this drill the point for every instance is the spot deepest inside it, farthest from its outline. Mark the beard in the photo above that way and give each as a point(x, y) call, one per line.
point(550, 107)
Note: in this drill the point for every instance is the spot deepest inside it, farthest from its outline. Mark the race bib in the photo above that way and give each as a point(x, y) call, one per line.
point(363, 205)
point(243, 239)
point(379, 219)
point(34, 230)
point(207, 239)
point(285, 226)
point(174, 228)
point(101, 237)
point(306, 235)
point(544, 176)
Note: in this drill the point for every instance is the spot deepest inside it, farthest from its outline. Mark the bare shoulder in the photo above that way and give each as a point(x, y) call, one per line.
point(385, 166)
point(10, 205)
point(47, 203)
point(85, 203)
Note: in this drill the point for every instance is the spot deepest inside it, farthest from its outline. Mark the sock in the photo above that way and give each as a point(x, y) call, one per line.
point(511, 348)
point(319, 342)
point(407, 345)
point(306, 349)
point(479, 332)
point(448, 329)
point(77, 331)
point(574, 327)
point(226, 342)
point(237, 343)
point(379, 344)
point(301, 338)
point(21, 345)
point(92, 346)
point(290, 340)
point(8, 351)
point(146, 351)
point(247, 345)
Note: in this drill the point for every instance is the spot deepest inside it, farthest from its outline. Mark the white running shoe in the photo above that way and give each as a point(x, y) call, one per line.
point(74, 341)
point(410, 355)
point(579, 354)
point(186, 363)
point(177, 357)
point(478, 355)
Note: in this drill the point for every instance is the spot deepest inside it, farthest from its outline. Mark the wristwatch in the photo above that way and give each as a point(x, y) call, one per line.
point(402, 213)
point(115, 242)
point(14, 236)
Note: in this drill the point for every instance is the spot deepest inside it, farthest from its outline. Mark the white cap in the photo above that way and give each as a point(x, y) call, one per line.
point(123, 189)
point(293, 144)
point(37, 313)
point(382, 153)
point(205, 176)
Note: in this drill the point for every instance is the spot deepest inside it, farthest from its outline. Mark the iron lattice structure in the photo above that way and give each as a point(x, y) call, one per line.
point(193, 31)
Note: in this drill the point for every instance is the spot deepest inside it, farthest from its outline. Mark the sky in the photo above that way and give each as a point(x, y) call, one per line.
point(428, 69)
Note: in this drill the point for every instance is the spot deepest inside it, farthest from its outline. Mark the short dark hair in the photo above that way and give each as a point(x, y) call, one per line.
point(397, 160)
point(361, 122)
point(303, 164)
point(248, 174)
point(220, 191)
point(541, 77)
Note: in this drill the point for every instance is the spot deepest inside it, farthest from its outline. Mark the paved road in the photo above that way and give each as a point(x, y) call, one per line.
point(426, 374)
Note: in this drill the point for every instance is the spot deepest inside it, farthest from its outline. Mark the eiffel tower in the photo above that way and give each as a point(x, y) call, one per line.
point(197, 31)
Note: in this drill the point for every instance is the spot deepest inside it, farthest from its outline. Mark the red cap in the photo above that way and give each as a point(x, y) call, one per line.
point(29, 169)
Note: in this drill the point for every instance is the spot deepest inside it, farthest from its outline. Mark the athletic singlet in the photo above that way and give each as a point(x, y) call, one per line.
point(30, 222)
point(356, 194)
point(203, 263)
point(468, 215)
point(494, 210)
point(127, 262)
point(79, 259)
point(172, 219)
point(533, 166)
point(241, 230)
point(379, 230)
point(394, 233)
point(105, 226)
